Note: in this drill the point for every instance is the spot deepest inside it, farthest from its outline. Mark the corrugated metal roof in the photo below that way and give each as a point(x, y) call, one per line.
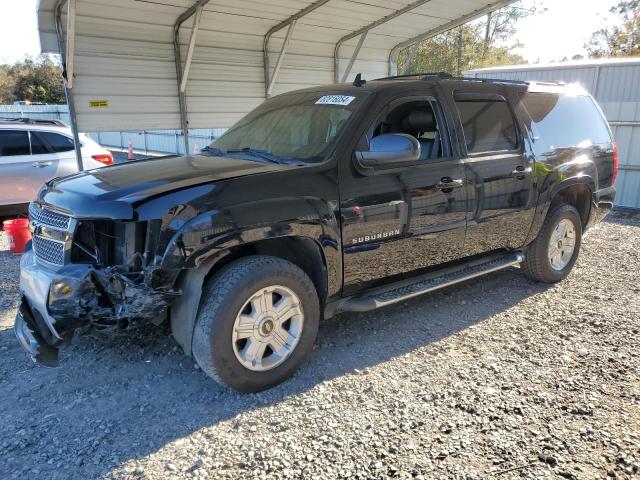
point(124, 52)
point(614, 84)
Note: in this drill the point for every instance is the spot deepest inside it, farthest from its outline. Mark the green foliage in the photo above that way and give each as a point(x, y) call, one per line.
point(6, 85)
point(621, 40)
point(474, 45)
point(478, 44)
point(34, 80)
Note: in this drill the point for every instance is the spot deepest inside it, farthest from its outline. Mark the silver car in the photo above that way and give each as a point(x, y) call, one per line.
point(35, 151)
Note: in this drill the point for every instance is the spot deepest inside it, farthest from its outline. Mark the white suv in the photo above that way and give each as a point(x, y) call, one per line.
point(34, 151)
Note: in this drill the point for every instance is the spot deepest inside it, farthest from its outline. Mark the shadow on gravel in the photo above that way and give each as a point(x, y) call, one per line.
point(124, 397)
point(624, 217)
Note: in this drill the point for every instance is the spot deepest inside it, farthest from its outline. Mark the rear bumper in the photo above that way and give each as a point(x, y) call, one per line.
point(601, 205)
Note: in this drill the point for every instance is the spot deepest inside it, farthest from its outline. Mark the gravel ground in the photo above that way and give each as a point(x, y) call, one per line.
point(496, 378)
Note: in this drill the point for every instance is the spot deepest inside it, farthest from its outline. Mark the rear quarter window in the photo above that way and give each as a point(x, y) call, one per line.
point(58, 143)
point(563, 121)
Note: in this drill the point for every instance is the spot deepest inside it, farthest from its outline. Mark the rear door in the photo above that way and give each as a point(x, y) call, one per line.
point(498, 170)
point(409, 219)
point(62, 148)
point(21, 173)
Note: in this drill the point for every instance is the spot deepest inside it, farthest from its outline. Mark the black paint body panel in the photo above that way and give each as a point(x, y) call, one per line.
point(371, 229)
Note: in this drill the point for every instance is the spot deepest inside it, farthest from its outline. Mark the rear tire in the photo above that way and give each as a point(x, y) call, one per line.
point(257, 322)
point(551, 256)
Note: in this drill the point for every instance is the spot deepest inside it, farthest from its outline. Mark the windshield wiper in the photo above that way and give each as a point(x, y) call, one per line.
point(213, 151)
point(264, 154)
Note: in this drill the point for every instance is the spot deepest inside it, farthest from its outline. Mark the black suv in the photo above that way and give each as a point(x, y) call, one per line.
point(331, 199)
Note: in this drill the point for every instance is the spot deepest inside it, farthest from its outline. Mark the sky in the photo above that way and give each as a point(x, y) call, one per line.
point(18, 30)
point(561, 31)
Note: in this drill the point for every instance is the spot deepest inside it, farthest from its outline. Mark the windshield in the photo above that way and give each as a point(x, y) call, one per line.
point(289, 129)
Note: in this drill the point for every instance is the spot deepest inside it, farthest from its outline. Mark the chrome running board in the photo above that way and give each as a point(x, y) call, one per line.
point(426, 284)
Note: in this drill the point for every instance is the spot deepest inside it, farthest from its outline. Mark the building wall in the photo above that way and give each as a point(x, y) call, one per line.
point(615, 85)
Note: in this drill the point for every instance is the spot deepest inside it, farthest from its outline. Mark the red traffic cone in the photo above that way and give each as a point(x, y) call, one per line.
point(130, 155)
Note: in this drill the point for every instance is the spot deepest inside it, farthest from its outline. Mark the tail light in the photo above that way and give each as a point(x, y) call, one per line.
point(105, 158)
point(616, 163)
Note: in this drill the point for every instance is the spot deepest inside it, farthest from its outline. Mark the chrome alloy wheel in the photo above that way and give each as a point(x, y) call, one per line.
point(562, 244)
point(268, 328)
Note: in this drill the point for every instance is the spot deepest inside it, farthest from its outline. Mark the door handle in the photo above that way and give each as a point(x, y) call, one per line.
point(448, 183)
point(521, 172)
point(41, 164)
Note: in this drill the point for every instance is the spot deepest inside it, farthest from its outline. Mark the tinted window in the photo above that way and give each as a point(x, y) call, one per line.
point(38, 147)
point(565, 120)
point(14, 142)
point(418, 119)
point(488, 125)
point(57, 142)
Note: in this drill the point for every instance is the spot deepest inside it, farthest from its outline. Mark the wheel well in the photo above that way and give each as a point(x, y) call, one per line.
point(303, 252)
point(577, 195)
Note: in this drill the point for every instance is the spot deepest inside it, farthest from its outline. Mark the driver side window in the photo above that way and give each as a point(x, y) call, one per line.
point(418, 119)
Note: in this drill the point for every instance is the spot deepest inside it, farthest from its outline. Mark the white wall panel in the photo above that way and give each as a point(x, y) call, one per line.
point(628, 191)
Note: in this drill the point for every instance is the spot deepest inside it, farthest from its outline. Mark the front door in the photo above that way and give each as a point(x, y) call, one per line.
point(408, 220)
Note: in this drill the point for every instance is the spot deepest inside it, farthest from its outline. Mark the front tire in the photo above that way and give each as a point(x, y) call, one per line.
point(256, 324)
point(552, 255)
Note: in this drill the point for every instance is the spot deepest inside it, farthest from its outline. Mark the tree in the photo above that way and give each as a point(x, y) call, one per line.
point(33, 79)
point(477, 44)
point(622, 40)
point(7, 84)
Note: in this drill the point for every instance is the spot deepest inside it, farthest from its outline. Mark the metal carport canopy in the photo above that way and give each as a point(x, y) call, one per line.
point(124, 71)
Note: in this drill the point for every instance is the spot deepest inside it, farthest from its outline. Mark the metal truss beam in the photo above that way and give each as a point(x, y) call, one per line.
point(269, 79)
point(192, 44)
point(287, 39)
point(66, 46)
point(354, 56)
point(395, 51)
point(182, 75)
point(366, 29)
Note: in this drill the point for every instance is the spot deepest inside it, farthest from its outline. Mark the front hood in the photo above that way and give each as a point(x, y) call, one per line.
point(111, 192)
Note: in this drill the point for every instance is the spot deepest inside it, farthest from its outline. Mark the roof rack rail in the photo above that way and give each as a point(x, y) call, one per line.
point(32, 121)
point(556, 83)
point(419, 76)
point(490, 80)
point(448, 76)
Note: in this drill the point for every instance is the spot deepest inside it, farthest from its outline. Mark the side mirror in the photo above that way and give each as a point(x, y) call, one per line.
point(389, 151)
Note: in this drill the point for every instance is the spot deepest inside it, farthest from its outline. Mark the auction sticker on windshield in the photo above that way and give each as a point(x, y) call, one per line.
point(335, 100)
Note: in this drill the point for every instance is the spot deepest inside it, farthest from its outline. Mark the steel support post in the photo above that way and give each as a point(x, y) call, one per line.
point(66, 46)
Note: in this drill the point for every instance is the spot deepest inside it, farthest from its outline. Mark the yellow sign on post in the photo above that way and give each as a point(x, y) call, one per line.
point(99, 103)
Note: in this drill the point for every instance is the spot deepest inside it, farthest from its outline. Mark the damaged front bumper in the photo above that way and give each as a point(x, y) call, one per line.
point(57, 302)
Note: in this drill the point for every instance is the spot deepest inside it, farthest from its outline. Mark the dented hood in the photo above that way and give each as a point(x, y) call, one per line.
point(112, 192)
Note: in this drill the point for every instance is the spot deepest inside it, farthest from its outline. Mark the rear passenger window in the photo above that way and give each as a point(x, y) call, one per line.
point(488, 125)
point(14, 142)
point(57, 142)
point(566, 120)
